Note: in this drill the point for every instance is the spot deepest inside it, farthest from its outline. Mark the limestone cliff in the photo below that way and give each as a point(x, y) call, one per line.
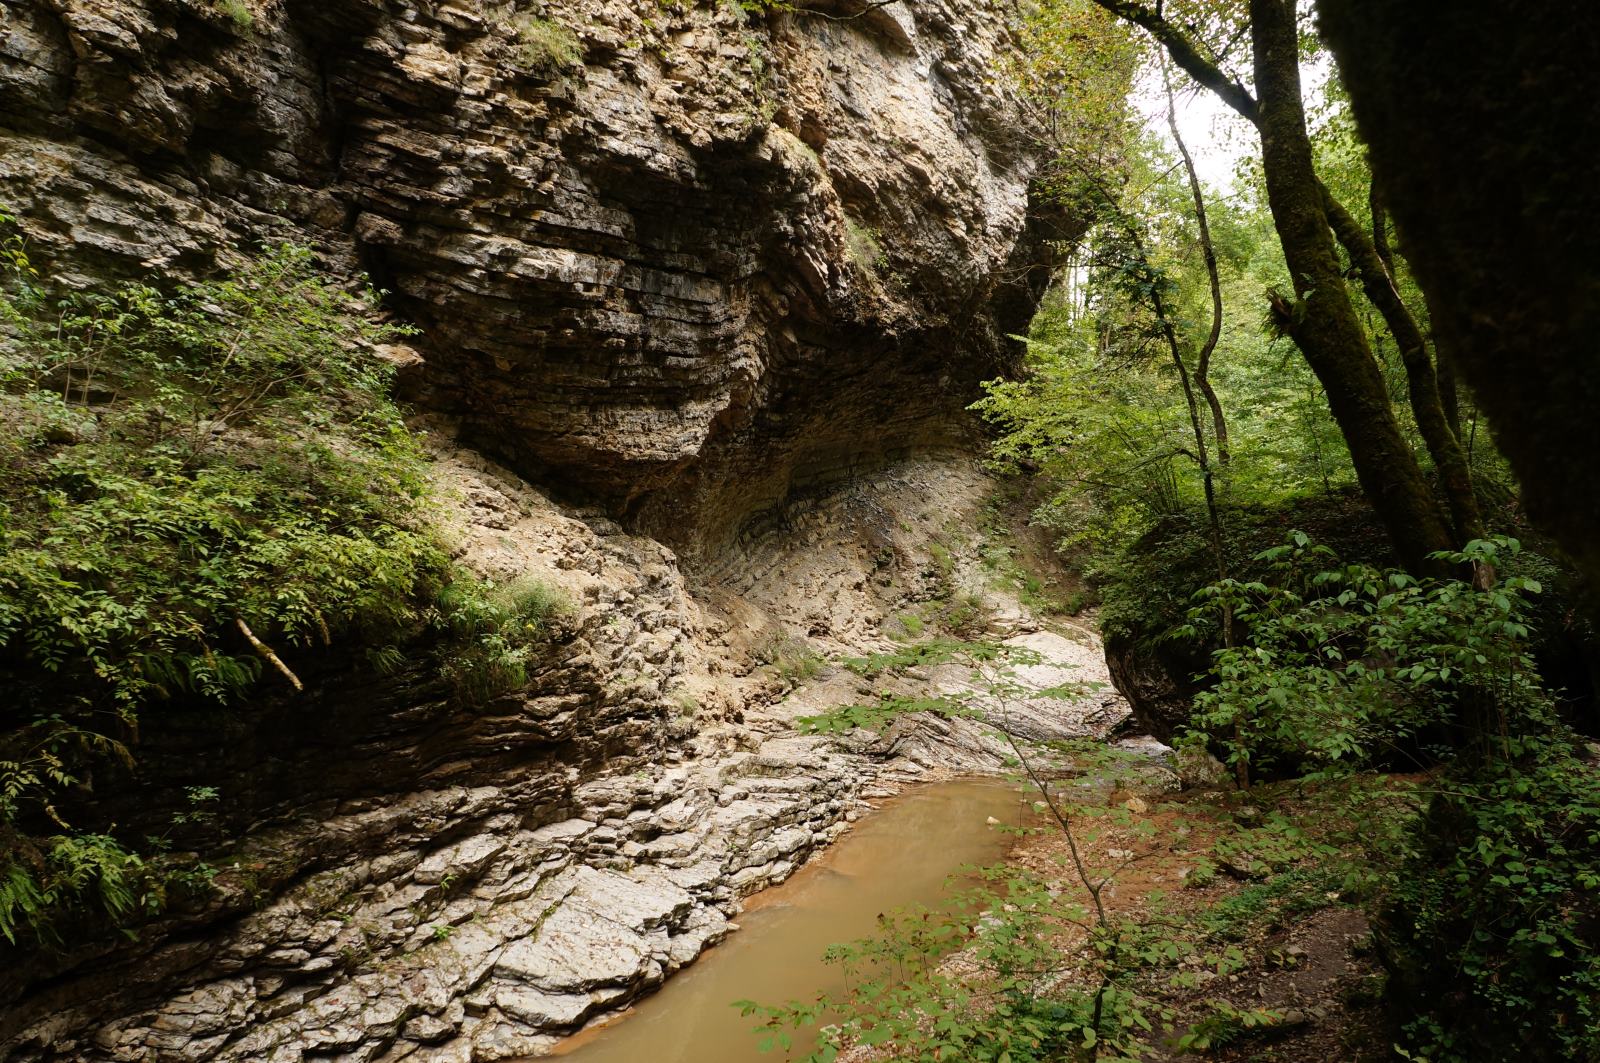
point(702, 293)
point(678, 259)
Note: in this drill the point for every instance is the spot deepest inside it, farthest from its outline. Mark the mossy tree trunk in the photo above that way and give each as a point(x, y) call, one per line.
point(1427, 403)
point(1481, 121)
point(1321, 319)
point(1443, 370)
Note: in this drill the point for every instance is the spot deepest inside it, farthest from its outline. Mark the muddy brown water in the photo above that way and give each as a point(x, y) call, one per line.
point(899, 855)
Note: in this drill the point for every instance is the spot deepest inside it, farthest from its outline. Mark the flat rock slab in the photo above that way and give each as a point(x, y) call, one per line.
point(603, 929)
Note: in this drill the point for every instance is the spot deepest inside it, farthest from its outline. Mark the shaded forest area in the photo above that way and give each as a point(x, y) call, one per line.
point(1325, 444)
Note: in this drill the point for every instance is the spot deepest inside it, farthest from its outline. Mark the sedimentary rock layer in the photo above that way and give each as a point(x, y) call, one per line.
point(680, 259)
point(720, 282)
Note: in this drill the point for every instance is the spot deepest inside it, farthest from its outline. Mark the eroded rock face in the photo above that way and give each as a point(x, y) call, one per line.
point(1158, 679)
point(720, 283)
point(418, 880)
point(714, 257)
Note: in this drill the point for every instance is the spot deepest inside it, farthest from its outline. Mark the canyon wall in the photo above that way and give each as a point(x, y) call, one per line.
point(702, 294)
point(678, 260)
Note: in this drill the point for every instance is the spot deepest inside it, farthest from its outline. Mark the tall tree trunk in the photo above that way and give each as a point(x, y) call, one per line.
point(1443, 369)
point(1380, 227)
point(1202, 369)
point(1422, 385)
point(1448, 397)
point(1321, 320)
point(1481, 121)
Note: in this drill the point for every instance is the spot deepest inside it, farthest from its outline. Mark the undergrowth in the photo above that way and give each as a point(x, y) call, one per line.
point(1480, 872)
point(544, 47)
point(200, 484)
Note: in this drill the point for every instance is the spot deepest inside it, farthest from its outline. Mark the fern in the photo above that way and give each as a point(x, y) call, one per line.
point(21, 901)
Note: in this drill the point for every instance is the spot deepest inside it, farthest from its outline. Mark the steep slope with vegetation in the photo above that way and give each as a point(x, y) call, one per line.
point(488, 485)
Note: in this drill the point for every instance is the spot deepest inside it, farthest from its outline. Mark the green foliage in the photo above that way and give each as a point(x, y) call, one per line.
point(756, 7)
point(1006, 1002)
point(911, 625)
point(995, 686)
point(792, 659)
point(239, 13)
point(179, 462)
point(1344, 662)
point(1493, 914)
point(1226, 1025)
point(1284, 896)
point(544, 47)
point(188, 479)
point(74, 872)
point(1490, 899)
point(1100, 417)
point(863, 245)
point(875, 715)
point(1075, 68)
point(497, 630)
point(914, 655)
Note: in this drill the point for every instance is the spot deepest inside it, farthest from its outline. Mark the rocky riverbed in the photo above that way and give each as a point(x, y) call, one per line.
point(494, 944)
point(484, 917)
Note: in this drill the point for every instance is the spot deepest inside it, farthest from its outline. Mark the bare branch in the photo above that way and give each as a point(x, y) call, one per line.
point(844, 18)
point(266, 653)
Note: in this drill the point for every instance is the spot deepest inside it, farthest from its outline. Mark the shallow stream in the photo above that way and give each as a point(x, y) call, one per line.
point(896, 856)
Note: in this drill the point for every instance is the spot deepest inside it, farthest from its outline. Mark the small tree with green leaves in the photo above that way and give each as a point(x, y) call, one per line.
point(1006, 997)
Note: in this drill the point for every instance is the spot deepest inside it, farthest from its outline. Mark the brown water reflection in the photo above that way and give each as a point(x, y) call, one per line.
point(899, 855)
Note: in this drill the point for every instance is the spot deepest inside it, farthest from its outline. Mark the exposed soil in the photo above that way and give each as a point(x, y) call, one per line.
point(1267, 934)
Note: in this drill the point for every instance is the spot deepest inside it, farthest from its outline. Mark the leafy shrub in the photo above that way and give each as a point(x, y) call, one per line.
point(239, 13)
point(76, 871)
point(1343, 663)
point(188, 479)
point(1226, 1025)
point(931, 652)
point(497, 630)
point(1491, 921)
point(183, 463)
point(1490, 903)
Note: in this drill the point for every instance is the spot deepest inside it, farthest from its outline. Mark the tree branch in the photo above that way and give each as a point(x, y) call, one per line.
point(1186, 55)
point(1423, 383)
point(1202, 371)
point(844, 18)
point(266, 653)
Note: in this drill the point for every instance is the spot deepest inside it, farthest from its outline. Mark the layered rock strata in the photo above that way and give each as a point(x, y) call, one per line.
point(681, 259)
point(556, 854)
point(720, 282)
